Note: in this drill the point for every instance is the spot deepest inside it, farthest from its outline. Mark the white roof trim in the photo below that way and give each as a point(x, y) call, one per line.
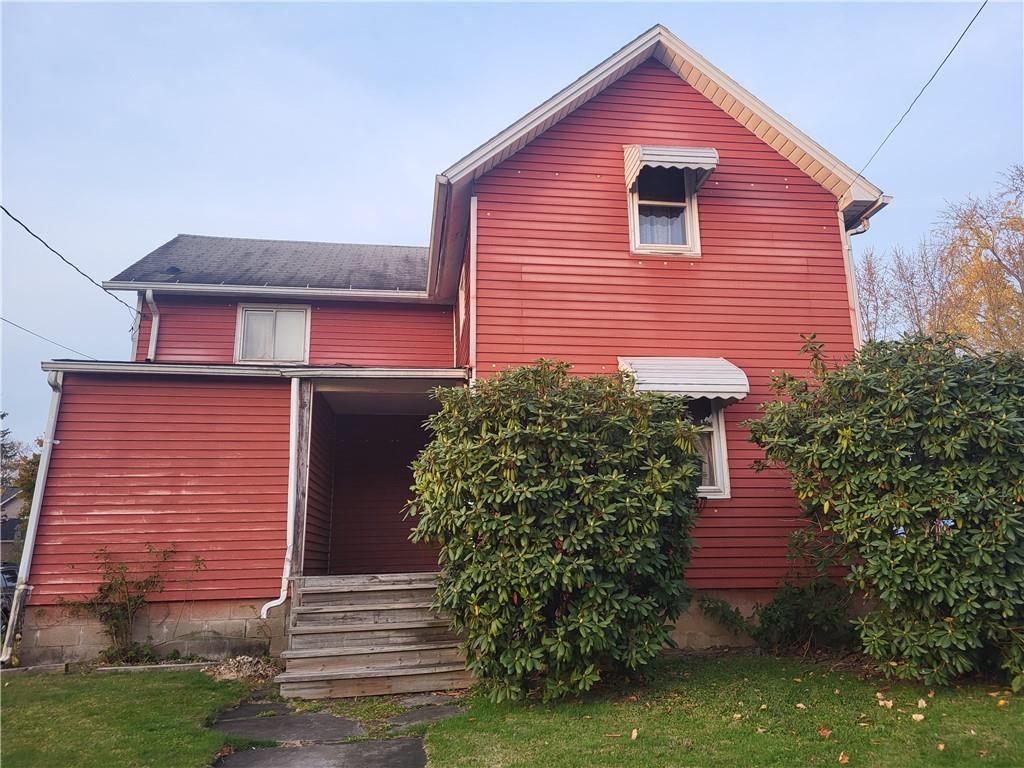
point(703, 160)
point(722, 90)
point(711, 377)
point(280, 291)
point(302, 371)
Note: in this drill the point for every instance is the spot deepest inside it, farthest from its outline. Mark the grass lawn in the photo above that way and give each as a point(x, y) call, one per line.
point(129, 720)
point(741, 711)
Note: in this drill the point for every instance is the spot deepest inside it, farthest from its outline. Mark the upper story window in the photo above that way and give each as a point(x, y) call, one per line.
point(272, 334)
point(662, 184)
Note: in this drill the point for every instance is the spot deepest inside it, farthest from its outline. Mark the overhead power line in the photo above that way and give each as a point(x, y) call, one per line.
point(67, 261)
point(44, 338)
point(919, 94)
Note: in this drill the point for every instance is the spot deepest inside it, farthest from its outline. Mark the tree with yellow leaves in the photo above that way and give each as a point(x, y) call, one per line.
point(967, 278)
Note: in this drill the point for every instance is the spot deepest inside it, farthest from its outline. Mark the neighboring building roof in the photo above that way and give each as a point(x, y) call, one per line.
point(9, 494)
point(858, 198)
point(244, 264)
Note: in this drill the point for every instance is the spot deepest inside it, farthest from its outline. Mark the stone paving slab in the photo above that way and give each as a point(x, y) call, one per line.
point(392, 753)
point(424, 715)
point(427, 699)
point(319, 727)
point(245, 711)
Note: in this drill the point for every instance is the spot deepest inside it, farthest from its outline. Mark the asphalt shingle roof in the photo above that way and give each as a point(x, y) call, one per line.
point(204, 260)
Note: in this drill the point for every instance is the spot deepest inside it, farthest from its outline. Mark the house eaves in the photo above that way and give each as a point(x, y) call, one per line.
point(857, 197)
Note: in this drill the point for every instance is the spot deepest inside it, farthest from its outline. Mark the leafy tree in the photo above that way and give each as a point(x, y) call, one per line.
point(966, 278)
point(563, 506)
point(908, 461)
point(12, 452)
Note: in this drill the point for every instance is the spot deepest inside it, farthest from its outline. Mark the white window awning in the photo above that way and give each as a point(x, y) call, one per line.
point(711, 377)
point(702, 160)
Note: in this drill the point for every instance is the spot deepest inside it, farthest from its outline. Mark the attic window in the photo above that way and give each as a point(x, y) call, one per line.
point(662, 184)
point(272, 334)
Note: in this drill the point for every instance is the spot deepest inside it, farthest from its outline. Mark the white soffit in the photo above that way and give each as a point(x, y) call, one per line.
point(658, 42)
point(703, 160)
point(711, 377)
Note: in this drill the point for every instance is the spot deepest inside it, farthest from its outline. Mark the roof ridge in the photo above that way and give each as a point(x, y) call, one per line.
point(303, 242)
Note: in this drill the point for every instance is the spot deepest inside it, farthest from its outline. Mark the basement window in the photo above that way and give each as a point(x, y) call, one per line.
point(272, 334)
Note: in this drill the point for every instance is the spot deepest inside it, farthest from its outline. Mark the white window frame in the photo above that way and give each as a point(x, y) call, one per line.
point(240, 330)
point(722, 489)
point(690, 219)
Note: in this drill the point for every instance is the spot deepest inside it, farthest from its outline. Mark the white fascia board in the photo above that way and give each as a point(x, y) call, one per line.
point(312, 372)
point(660, 42)
point(175, 369)
point(376, 373)
point(633, 53)
point(335, 294)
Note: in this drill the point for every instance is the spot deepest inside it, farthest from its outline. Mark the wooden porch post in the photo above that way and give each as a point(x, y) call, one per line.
point(301, 488)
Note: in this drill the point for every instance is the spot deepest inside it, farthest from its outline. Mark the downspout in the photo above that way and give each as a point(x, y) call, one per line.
point(21, 592)
point(293, 469)
point(851, 284)
point(154, 326)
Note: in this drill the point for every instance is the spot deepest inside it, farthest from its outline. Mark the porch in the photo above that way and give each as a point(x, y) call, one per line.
point(360, 621)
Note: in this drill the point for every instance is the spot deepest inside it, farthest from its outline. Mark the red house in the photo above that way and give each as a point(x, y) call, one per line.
point(653, 215)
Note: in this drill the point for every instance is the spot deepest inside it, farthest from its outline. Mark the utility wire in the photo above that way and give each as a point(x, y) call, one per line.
point(919, 94)
point(44, 338)
point(60, 256)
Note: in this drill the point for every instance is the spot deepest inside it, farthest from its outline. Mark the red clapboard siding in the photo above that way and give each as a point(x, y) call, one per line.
point(317, 550)
point(202, 330)
point(371, 487)
point(556, 278)
point(200, 464)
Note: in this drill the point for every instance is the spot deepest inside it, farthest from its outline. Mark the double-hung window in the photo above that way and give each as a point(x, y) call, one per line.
point(710, 420)
point(272, 334)
point(662, 184)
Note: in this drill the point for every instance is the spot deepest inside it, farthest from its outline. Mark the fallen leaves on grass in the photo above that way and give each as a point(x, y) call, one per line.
point(801, 706)
point(843, 758)
point(917, 717)
point(634, 734)
point(940, 746)
point(921, 703)
point(824, 732)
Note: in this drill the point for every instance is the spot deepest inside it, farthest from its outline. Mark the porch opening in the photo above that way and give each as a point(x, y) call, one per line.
point(363, 437)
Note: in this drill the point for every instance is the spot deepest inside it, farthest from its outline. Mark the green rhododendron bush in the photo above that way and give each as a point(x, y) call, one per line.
point(909, 460)
point(563, 507)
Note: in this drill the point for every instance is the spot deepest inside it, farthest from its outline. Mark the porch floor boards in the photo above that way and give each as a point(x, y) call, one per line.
point(368, 635)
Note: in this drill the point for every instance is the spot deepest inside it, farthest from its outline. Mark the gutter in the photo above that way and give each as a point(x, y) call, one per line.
point(265, 371)
point(154, 326)
point(24, 589)
point(201, 289)
point(865, 220)
point(293, 469)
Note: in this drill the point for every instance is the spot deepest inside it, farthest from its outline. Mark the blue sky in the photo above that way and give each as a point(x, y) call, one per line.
point(124, 125)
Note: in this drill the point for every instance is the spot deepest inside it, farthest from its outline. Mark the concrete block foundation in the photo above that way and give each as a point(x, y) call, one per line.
point(212, 629)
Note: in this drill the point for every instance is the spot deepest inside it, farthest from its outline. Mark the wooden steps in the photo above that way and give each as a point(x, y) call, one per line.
point(368, 635)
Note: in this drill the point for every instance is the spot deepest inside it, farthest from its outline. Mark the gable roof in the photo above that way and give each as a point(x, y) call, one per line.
point(858, 198)
point(189, 263)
